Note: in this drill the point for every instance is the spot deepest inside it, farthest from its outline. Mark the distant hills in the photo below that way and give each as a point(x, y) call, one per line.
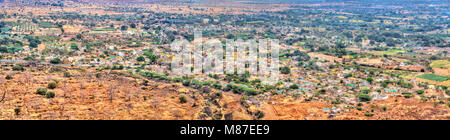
point(377, 2)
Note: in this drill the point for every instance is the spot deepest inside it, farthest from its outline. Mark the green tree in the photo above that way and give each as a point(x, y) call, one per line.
point(50, 94)
point(124, 28)
point(140, 59)
point(421, 91)
point(132, 25)
point(51, 85)
point(74, 46)
point(41, 91)
point(293, 86)
point(182, 99)
point(55, 61)
point(370, 80)
point(365, 97)
point(285, 70)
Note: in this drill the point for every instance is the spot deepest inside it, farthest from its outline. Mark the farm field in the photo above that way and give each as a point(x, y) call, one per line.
point(434, 77)
point(389, 52)
point(440, 64)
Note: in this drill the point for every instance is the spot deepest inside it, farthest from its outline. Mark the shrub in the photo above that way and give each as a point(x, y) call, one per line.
point(8, 77)
point(55, 61)
point(186, 82)
point(259, 114)
point(420, 91)
point(51, 85)
point(227, 88)
point(18, 68)
point(322, 91)
point(140, 59)
point(206, 83)
point(50, 94)
point(17, 111)
point(183, 99)
point(407, 94)
point(365, 97)
point(285, 70)
point(384, 108)
point(370, 79)
point(41, 91)
point(293, 86)
point(177, 79)
point(74, 46)
point(66, 74)
point(250, 91)
point(217, 86)
point(368, 114)
point(404, 84)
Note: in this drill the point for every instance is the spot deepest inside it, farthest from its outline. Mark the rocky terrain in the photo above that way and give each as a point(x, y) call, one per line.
point(87, 94)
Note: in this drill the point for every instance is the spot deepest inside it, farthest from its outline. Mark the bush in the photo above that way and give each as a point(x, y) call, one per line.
point(250, 91)
point(17, 111)
point(74, 46)
point(365, 97)
point(293, 86)
point(420, 91)
point(8, 77)
point(186, 82)
point(285, 70)
point(370, 80)
point(368, 114)
point(259, 114)
point(217, 86)
point(18, 68)
point(41, 91)
point(407, 94)
point(51, 85)
point(183, 99)
point(66, 74)
point(140, 59)
point(404, 84)
point(227, 88)
point(50, 94)
point(55, 61)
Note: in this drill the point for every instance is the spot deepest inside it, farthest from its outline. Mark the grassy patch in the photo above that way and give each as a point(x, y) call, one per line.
point(104, 29)
point(440, 64)
point(391, 52)
point(49, 38)
point(434, 77)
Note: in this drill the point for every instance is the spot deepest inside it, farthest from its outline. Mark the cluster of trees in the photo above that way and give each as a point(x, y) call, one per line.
point(8, 41)
point(298, 55)
point(55, 61)
point(10, 49)
point(2, 24)
point(33, 40)
point(241, 89)
point(151, 56)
